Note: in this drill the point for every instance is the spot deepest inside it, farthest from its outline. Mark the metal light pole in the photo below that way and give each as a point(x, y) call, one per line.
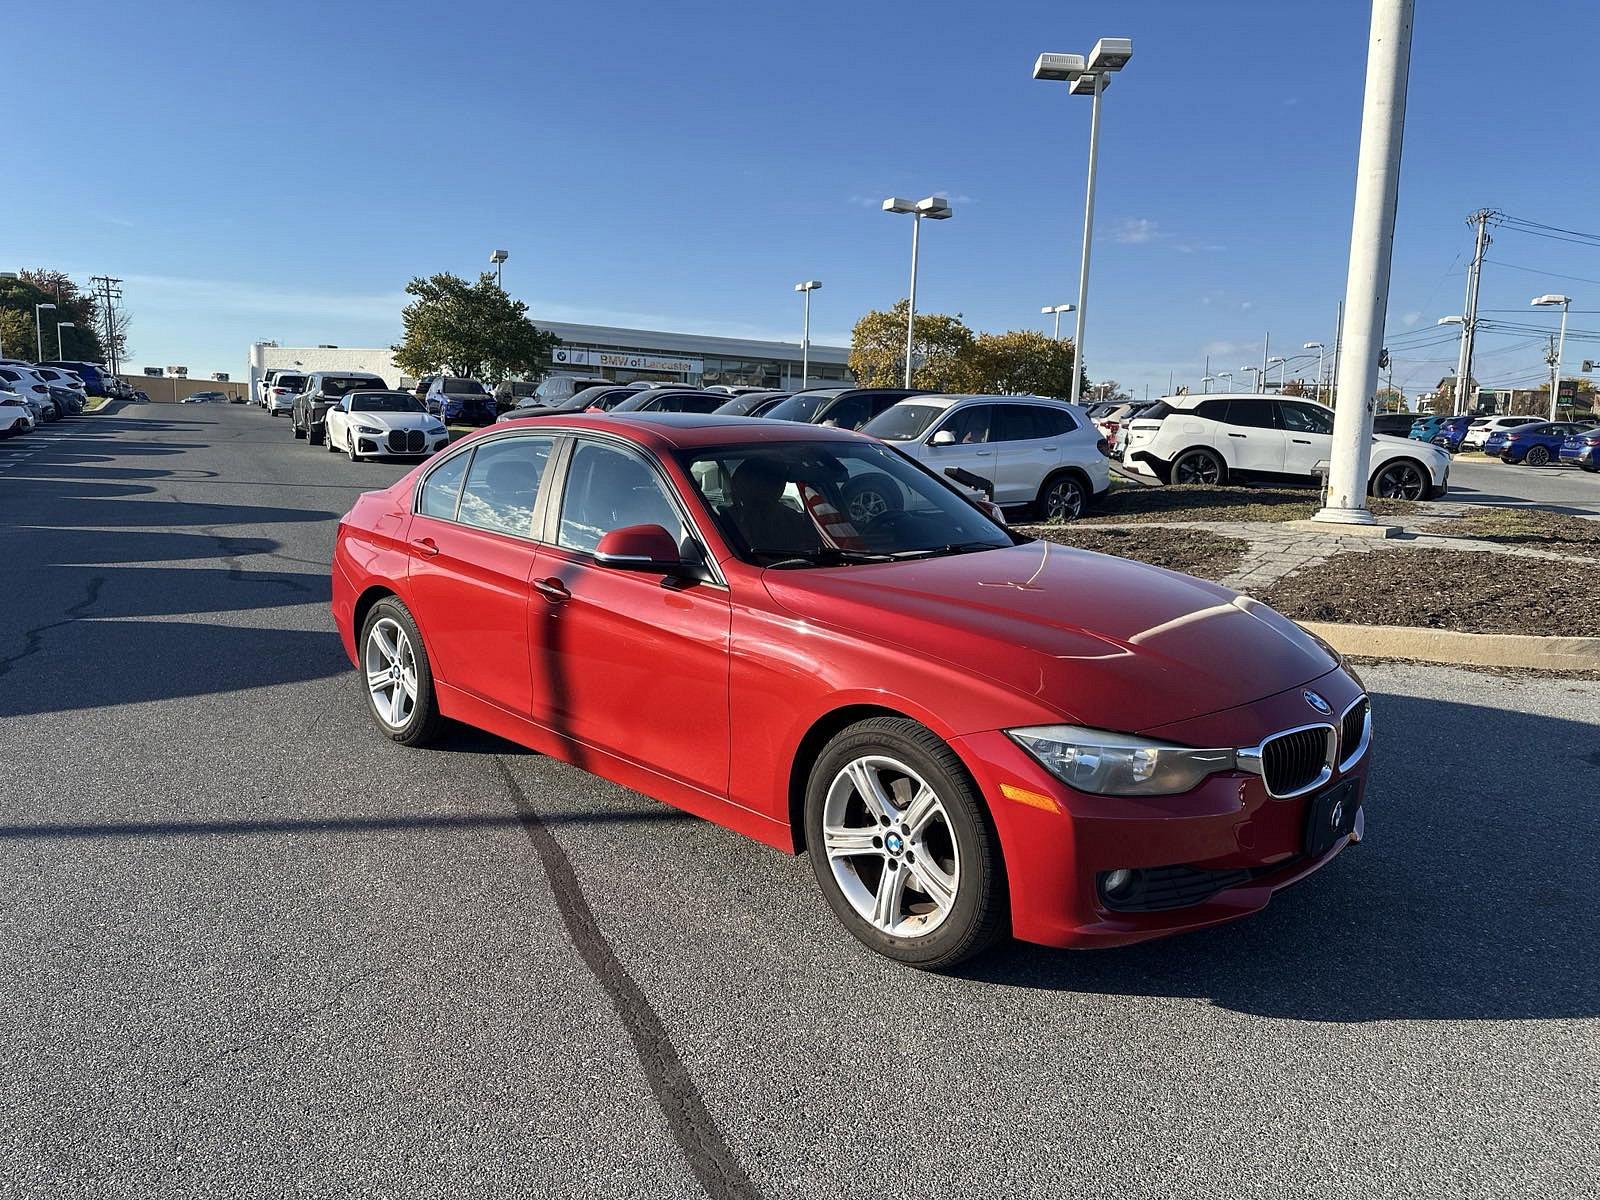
point(498, 258)
point(1383, 120)
point(38, 328)
point(1256, 371)
point(1087, 78)
point(1280, 364)
point(1228, 375)
point(1317, 346)
point(807, 288)
point(1565, 302)
point(60, 346)
point(1058, 309)
point(935, 208)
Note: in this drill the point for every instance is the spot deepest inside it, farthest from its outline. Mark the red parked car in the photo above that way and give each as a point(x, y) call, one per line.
point(973, 733)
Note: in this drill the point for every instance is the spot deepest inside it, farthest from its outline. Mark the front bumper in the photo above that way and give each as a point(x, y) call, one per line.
point(1058, 844)
point(432, 444)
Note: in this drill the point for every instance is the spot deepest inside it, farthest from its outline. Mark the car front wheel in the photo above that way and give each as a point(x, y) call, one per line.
point(902, 846)
point(1537, 456)
point(398, 679)
point(1403, 480)
point(1198, 467)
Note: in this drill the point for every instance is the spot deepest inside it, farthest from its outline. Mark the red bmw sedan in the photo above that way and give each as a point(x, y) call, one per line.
point(973, 733)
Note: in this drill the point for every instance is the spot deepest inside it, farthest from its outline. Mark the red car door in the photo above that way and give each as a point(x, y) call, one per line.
point(623, 660)
point(472, 554)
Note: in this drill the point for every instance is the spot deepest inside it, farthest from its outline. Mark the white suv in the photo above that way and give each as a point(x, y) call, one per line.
point(1481, 427)
point(1038, 454)
point(1213, 439)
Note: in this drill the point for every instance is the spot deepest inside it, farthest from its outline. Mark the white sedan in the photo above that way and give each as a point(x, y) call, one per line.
point(369, 423)
point(15, 414)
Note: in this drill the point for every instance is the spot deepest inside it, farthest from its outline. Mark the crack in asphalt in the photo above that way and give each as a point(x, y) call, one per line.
point(688, 1119)
point(33, 639)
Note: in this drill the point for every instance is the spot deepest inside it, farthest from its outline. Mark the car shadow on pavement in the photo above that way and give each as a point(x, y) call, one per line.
point(1473, 896)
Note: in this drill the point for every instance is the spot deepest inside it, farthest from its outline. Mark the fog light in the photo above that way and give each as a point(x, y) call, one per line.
point(1116, 881)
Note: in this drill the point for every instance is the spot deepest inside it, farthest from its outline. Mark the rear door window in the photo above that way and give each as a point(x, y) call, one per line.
point(1017, 423)
point(1305, 418)
point(503, 483)
point(1253, 414)
point(442, 488)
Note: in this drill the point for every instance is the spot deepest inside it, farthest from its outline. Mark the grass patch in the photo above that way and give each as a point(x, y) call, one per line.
point(1469, 591)
point(1189, 502)
point(1194, 551)
point(1529, 527)
point(95, 403)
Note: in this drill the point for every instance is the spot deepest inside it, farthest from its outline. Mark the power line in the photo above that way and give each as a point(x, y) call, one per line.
point(1551, 274)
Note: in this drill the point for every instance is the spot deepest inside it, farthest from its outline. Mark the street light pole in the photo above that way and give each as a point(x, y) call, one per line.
point(1383, 120)
point(1317, 346)
point(1560, 347)
point(806, 288)
point(1057, 309)
point(936, 208)
point(1088, 240)
point(61, 352)
point(38, 328)
point(1228, 375)
point(498, 258)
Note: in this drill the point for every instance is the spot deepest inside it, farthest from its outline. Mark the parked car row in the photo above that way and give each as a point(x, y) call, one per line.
point(1537, 443)
point(1218, 438)
point(34, 394)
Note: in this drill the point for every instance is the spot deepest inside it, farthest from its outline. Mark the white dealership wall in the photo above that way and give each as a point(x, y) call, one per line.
point(378, 360)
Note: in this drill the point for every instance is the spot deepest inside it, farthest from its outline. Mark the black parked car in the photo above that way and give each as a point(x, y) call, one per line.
point(752, 404)
point(1393, 424)
point(323, 390)
point(842, 408)
point(668, 400)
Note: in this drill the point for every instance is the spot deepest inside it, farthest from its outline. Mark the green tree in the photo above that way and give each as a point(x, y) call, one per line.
point(1022, 362)
point(41, 285)
point(475, 330)
point(941, 354)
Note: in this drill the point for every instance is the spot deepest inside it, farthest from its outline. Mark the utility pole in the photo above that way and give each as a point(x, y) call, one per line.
point(1383, 123)
point(108, 291)
point(1469, 312)
point(1338, 344)
point(1266, 348)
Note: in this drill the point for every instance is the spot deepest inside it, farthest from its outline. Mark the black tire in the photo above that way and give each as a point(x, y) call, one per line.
point(424, 722)
point(1537, 456)
point(870, 496)
point(315, 434)
point(979, 912)
point(1202, 467)
point(1062, 497)
point(1402, 479)
point(294, 426)
point(328, 442)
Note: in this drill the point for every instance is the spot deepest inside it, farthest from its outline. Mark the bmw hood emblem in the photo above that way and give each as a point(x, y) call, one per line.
point(1318, 703)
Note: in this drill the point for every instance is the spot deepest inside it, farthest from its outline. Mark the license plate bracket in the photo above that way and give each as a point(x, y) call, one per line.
point(1331, 817)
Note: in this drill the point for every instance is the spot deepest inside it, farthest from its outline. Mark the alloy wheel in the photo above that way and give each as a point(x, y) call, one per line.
point(890, 846)
point(1538, 456)
point(1198, 467)
point(391, 667)
point(1401, 481)
point(1063, 501)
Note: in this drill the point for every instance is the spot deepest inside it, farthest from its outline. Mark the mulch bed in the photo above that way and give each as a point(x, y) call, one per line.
point(1528, 527)
point(1469, 591)
point(1194, 551)
point(1186, 502)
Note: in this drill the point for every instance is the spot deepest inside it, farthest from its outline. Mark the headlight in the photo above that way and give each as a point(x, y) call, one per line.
point(369, 431)
point(1119, 764)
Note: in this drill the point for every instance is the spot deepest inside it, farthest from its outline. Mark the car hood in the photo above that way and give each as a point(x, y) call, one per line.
point(388, 421)
point(1100, 641)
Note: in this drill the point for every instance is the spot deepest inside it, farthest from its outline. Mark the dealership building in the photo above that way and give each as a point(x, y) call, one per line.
point(604, 351)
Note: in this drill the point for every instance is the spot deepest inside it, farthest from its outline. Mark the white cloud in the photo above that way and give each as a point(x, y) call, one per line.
point(1136, 231)
point(1247, 306)
point(1410, 319)
point(173, 293)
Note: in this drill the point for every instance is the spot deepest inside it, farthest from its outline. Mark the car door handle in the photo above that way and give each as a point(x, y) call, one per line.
point(1049, 447)
point(1237, 435)
point(1301, 441)
point(427, 547)
point(552, 590)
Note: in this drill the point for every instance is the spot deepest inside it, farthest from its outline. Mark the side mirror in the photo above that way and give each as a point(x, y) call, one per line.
point(943, 438)
point(641, 548)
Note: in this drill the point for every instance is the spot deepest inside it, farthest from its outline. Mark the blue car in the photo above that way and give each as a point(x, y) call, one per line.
point(1582, 448)
point(1537, 445)
point(1441, 431)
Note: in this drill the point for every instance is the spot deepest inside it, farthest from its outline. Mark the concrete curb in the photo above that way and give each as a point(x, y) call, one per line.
point(1461, 649)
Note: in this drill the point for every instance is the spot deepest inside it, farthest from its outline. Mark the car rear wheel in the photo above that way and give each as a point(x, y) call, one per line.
point(902, 846)
point(294, 426)
point(398, 679)
point(315, 434)
point(1537, 456)
point(1199, 467)
point(1062, 498)
point(1401, 480)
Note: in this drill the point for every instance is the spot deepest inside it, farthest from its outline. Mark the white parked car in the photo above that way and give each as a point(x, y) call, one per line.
point(1241, 437)
point(1042, 455)
point(16, 414)
point(278, 395)
point(367, 423)
point(1478, 432)
point(34, 390)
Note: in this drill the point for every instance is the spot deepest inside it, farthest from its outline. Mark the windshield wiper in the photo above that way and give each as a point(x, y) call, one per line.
point(830, 556)
point(951, 548)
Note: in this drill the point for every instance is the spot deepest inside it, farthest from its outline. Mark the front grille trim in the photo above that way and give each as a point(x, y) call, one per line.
point(1254, 759)
point(1349, 754)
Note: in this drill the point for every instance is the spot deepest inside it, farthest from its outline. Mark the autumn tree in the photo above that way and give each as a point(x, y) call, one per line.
point(941, 353)
point(20, 338)
point(470, 329)
point(1022, 362)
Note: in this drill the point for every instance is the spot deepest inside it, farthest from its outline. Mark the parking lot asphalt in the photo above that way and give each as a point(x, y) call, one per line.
point(1565, 488)
point(250, 947)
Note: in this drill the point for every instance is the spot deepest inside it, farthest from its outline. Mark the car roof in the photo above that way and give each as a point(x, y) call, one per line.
point(688, 431)
point(950, 400)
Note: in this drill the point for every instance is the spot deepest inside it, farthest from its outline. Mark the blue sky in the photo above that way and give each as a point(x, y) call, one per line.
point(288, 167)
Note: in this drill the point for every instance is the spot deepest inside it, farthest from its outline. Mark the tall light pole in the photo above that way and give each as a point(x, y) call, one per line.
point(807, 288)
point(498, 258)
point(38, 328)
point(935, 208)
point(1383, 122)
point(1278, 362)
point(1317, 346)
point(1086, 79)
point(1228, 375)
point(61, 351)
point(1565, 302)
point(1058, 309)
point(1256, 372)
point(1205, 383)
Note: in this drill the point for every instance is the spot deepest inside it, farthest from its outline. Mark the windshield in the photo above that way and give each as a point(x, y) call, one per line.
point(451, 386)
point(903, 422)
point(392, 402)
point(803, 406)
point(338, 385)
point(792, 505)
